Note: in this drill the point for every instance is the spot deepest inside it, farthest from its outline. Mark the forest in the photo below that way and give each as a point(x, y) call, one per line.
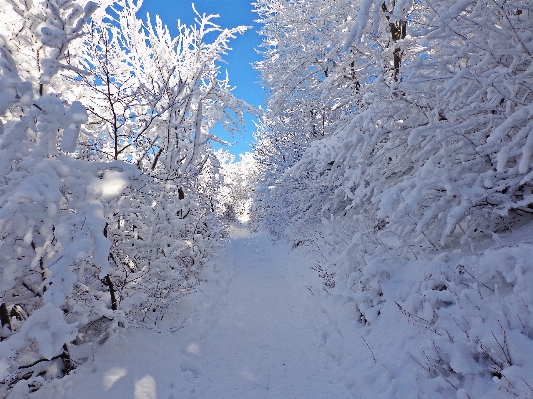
point(395, 150)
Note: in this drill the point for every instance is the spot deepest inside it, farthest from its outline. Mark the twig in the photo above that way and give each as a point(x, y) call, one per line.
point(369, 348)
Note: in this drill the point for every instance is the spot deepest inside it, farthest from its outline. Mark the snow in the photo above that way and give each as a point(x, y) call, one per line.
point(111, 185)
point(361, 22)
point(48, 328)
point(410, 272)
point(263, 325)
point(249, 331)
point(78, 115)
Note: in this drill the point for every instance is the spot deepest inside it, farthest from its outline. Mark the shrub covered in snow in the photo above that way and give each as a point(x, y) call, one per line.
point(453, 324)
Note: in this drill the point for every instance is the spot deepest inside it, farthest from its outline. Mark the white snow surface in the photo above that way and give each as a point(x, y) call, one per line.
point(252, 330)
point(263, 325)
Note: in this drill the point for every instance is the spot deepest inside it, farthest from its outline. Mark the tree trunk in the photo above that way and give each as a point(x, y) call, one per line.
point(107, 280)
point(67, 361)
point(398, 30)
point(109, 283)
point(4, 318)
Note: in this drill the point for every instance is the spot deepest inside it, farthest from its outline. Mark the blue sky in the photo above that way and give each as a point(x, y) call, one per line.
point(232, 13)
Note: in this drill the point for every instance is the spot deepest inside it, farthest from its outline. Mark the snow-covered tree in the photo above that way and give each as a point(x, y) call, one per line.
point(50, 227)
point(472, 159)
point(436, 149)
point(161, 98)
point(153, 101)
point(149, 90)
point(114, 230)
point(412, 156)
point(314, 87)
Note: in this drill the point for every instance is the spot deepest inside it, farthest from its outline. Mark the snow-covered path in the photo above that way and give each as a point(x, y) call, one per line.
point(264, 345)
point(251, 333)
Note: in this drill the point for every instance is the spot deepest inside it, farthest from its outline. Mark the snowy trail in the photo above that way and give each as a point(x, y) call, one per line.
point(264, 345)
point(253, 331)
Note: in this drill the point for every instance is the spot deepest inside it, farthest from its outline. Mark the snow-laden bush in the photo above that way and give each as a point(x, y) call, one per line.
point(455, 325)
point(478, 310)
point(50, 226)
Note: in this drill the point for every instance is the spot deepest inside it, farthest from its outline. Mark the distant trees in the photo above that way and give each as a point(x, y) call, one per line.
point(108, 186)
point(314, 87)
point(240, 179)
